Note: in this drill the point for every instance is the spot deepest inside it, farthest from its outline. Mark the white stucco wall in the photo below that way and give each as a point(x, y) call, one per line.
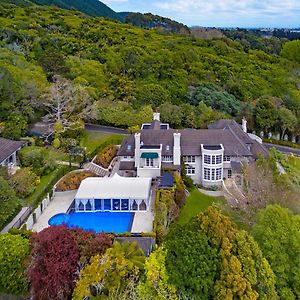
point(148, 172)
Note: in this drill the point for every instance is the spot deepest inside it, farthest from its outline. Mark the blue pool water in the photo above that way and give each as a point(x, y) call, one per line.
point(116, 222)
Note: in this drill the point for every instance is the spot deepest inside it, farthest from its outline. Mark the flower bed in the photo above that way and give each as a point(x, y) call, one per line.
point(105, 157)
point(72, 181)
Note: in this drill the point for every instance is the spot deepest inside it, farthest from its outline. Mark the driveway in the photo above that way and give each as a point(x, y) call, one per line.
point(107, 129)
point(283, 149)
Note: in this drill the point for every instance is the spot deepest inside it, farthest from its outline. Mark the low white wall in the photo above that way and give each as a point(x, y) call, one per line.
point(60, 194)
point(144, 172)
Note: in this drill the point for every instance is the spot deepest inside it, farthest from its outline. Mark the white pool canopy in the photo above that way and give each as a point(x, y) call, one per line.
point(115, 187)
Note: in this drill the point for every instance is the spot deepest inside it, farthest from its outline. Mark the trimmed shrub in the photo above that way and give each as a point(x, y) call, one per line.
point(112, 140)
point(13, 251)
point(24, 182)
point(180, 195)
point(106, 156)
point(72, 181)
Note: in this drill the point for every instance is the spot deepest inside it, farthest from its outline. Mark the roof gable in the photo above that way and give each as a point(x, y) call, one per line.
point(8, 147)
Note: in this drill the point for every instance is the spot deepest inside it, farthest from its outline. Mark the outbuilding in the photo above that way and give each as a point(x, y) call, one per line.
point(114, 194)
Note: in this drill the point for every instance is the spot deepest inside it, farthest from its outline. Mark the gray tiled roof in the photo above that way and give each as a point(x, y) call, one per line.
point(259, 150)
point(226, 132)
point(191, 140)
point(145, 243)
point(8, 147)
point(234, 127)
point(126, 165)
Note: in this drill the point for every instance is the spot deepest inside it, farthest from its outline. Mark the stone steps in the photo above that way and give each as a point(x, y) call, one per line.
point(96, 169)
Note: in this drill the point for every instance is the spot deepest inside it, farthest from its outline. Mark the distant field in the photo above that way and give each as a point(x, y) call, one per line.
point(196, 203)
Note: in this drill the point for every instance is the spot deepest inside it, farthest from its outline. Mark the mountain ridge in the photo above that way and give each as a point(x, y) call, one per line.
point(92, 8)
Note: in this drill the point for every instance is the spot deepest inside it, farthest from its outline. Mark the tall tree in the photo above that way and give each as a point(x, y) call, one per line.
point(67, 105)
point(190, 262)
point(54, 265)
point(265, 114)
point(53, 62)
point(113, 275)
point(156, 285)
point(9, 202)
point(287, 121)
point(277, 232)
point(242, 271)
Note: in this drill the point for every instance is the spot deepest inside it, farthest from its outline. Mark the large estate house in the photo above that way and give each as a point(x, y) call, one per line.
point(209, 154)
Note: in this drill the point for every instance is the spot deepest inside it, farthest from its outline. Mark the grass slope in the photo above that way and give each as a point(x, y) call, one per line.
point(196, 203)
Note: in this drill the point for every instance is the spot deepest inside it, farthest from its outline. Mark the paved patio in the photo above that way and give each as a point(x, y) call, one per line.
point(142, 222)
point(60, 204)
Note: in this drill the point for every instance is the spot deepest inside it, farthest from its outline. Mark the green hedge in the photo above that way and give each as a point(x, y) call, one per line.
point(38, 196)
point(282, 143)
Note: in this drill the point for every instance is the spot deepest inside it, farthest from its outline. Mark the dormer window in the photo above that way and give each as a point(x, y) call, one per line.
point(168, 148)
point(164, 126)
point(128, 147)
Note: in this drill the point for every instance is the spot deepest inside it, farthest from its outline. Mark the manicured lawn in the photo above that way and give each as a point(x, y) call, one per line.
point(92, 139)
point(196, 203)
point(49, 152)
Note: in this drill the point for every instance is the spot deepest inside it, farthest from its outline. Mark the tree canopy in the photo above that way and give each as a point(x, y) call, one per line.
point(277, 232)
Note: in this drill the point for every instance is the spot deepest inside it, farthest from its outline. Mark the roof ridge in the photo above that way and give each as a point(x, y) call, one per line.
point(235, 135)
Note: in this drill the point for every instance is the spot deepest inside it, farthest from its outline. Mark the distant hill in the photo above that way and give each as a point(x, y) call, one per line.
point(149, 20)
point(206, 33)
point(93, 8)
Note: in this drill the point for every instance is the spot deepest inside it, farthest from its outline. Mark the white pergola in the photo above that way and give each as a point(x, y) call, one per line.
point(113, 194)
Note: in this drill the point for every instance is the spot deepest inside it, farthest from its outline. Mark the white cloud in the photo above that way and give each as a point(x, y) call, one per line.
point(218, 12)
point(226, 11)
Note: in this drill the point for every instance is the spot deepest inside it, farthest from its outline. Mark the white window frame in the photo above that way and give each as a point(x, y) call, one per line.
point(229, 173)
point(190, 170)
point(218, 159)
point(149, 162)
point(167, 158)
point(226, 158)
point(207, 159)
point(190, 159)
point(206, 174)
point(218, 174)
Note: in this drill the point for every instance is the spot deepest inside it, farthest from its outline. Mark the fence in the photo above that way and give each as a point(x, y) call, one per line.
point(38, 211)
point(18, 220)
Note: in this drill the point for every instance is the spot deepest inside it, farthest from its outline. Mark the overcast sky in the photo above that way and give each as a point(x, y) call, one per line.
point(219, 13)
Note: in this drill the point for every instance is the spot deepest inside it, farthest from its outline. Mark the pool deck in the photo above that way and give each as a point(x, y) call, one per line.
point(60, 204)
point(142, 222)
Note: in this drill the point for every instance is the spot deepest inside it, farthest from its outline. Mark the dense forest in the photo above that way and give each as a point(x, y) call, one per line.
point(149, 20)
point(126, 71)
point(93, 8)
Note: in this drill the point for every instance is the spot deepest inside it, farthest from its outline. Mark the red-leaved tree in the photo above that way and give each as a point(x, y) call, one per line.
point(54, 267)
point(90, 244)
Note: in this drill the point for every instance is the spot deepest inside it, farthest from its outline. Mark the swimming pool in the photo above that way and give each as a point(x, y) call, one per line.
point(116, 222)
